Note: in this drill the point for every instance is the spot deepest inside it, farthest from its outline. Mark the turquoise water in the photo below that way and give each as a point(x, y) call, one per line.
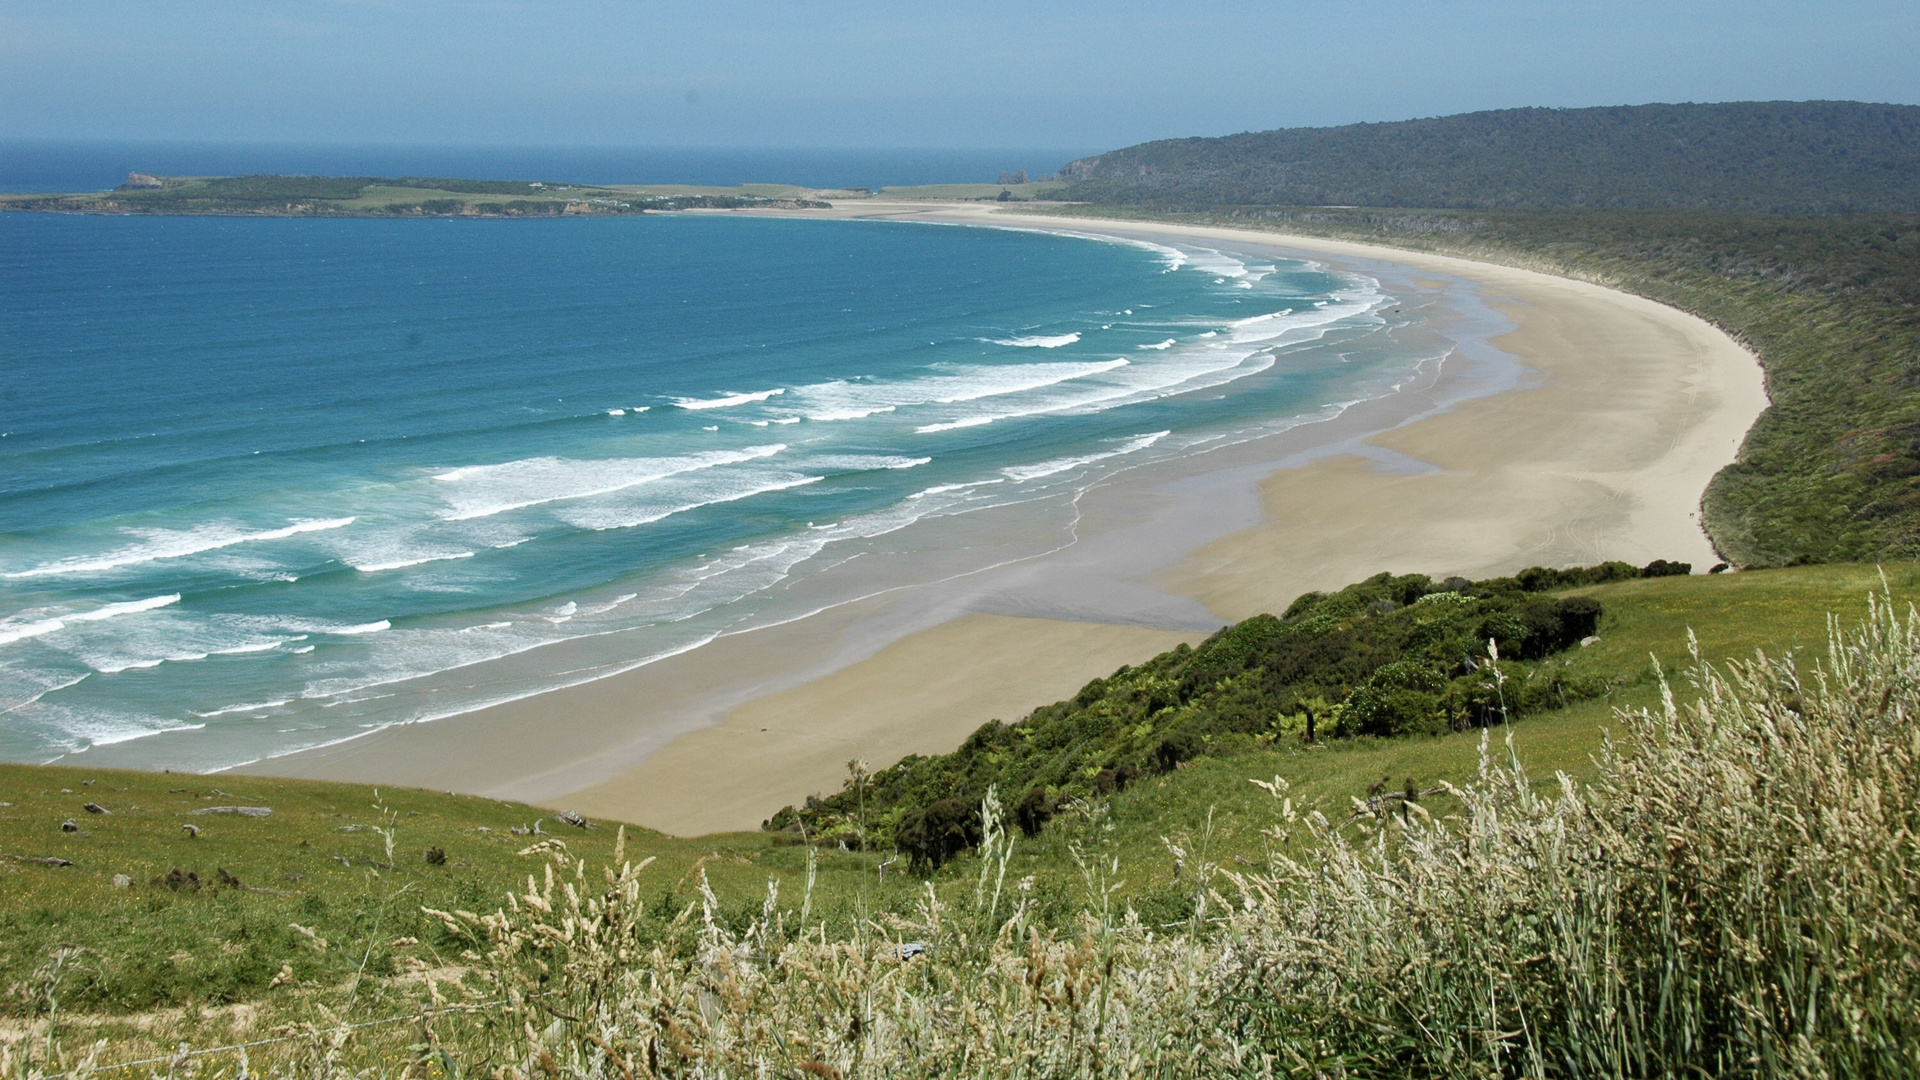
point(285, 481)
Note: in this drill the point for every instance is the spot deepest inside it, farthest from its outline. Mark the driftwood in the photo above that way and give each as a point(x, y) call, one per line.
point(244, 811)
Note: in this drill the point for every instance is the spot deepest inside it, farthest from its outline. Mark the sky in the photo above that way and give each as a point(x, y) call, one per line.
point(807, 73)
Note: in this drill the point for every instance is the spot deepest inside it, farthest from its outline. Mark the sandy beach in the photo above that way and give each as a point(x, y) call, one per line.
point(1572, 424)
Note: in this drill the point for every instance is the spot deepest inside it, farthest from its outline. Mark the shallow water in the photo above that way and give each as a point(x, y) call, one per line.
point(289, 480)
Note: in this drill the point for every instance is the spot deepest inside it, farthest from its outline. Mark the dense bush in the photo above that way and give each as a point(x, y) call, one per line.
point(1818, 156)
point(1390, 656)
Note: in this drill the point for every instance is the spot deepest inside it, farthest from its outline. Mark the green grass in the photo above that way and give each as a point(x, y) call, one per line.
point(319, 860)
point(1730, 615)
point(323, 864)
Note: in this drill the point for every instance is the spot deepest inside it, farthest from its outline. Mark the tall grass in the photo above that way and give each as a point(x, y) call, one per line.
point(1737, 893)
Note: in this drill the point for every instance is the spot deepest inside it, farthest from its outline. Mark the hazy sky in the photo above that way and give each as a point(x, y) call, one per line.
point(794, 73)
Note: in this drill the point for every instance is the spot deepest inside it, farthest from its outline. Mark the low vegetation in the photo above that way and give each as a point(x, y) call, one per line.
point(371, 196)
point(1768, 156)
point(1388, 656)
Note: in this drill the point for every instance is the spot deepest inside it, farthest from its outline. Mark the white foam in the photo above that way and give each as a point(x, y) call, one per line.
point(616, 412)
point(136, 730)
point(1000, 381)
point(12, 630)
point(845, 399)
point(942, 489)
point(362, 628)
point(396, 564)
point(109, 611)
point(253, 707)
point(174, 544)
point(727, 402)
point(1021, 473)
point(971, 421)
point(1159, 346)
point(1054, 341)
point(1216, 359)
point(602, 518)
point(251, 647)
point(1217, 263)
point(485, 490)
point(853, 413)
point(864, 462)
point(115, 668)
point(17, 692)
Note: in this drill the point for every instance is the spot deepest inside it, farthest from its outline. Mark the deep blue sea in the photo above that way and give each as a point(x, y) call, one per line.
point(289, 480)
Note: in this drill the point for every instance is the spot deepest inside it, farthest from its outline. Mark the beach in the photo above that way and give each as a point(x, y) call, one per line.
point(1571, 424)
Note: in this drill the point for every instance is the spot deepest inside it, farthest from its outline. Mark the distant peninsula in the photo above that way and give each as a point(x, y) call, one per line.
point(372, 196)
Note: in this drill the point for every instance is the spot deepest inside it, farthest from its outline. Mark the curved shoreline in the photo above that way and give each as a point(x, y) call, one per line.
point(1601, 451)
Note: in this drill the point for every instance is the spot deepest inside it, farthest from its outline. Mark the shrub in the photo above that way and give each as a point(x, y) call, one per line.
point(1177, 747)
point(1032, 812)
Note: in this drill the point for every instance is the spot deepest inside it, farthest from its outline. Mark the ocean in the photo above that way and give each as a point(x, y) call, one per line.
point(279, 482)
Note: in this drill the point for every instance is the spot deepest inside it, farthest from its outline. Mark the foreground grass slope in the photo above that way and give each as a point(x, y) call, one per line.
point(211, 918)
point(150, 965)
point(1728, 886)
point(1735, 892)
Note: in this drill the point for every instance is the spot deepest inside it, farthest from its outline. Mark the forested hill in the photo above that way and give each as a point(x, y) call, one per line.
point(1777, 156)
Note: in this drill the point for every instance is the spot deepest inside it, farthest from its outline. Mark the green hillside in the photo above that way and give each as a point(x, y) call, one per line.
point(1776, 156)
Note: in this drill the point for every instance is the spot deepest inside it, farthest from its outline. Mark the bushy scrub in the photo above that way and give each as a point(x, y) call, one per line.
point(1389, 656)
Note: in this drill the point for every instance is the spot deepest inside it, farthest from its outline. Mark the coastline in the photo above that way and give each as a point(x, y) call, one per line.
point(1573, 424)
